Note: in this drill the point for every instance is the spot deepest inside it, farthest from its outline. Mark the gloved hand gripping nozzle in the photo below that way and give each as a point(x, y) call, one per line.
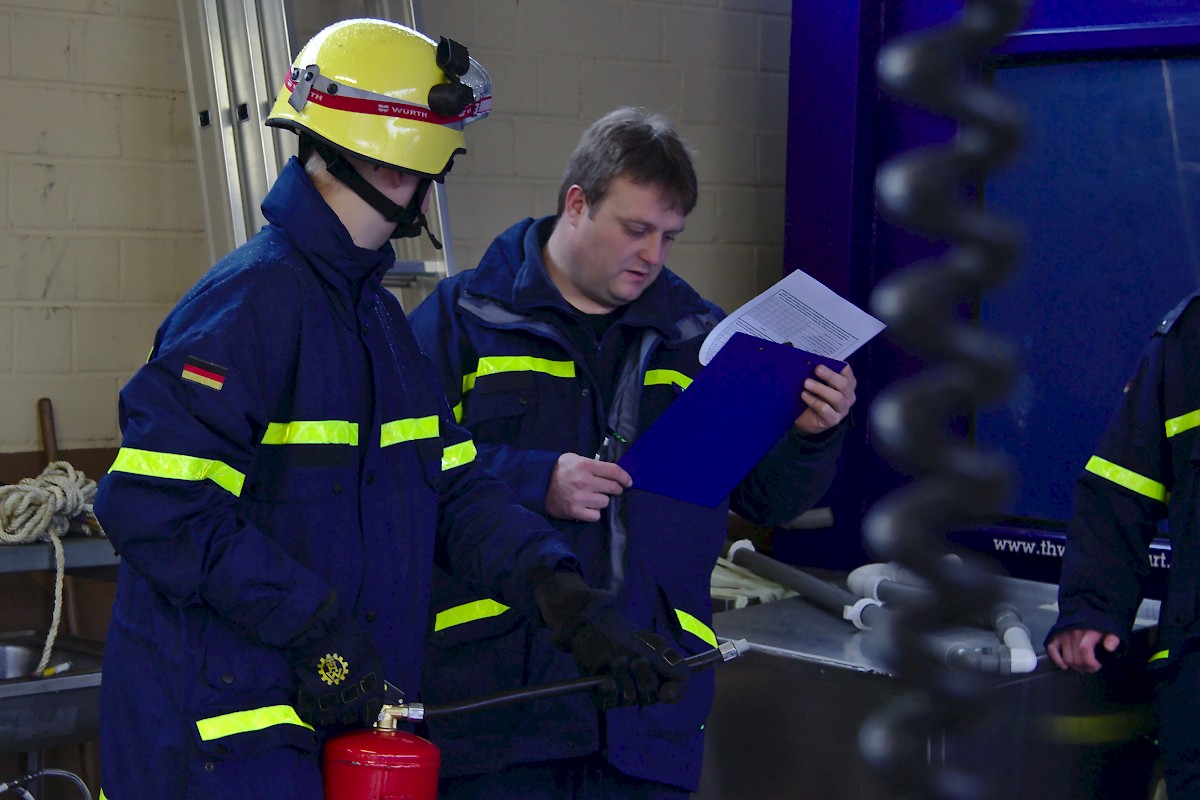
point(643, 665)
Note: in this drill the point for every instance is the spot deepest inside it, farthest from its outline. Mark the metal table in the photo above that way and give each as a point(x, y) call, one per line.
point(786, 717)
point(80, 552)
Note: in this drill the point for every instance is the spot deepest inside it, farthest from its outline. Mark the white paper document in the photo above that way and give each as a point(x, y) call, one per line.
point(802, 312)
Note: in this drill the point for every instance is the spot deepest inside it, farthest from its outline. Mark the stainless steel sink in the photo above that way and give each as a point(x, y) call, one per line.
point(37, 713)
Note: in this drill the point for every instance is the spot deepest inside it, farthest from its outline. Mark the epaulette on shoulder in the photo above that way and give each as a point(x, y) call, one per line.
point(1169, 319)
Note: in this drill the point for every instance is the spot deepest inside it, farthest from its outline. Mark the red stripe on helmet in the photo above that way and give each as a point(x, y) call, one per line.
point(391, 108)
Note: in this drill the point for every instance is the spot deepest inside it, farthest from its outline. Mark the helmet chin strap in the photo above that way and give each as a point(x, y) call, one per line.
point(409, 220)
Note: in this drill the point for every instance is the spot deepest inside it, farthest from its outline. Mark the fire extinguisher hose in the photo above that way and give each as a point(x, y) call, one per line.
point(724, 652)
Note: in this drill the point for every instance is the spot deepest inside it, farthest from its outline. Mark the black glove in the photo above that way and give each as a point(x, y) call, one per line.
point(581, 620)
point(338, 671)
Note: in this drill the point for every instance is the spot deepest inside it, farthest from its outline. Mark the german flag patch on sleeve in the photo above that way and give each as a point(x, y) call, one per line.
point(204, 373)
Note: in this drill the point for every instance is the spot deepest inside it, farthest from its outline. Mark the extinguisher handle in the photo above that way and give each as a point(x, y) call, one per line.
point(723, 652)
point(392, 694)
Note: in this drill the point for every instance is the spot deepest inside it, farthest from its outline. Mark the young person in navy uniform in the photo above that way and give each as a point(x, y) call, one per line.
point(290, 470)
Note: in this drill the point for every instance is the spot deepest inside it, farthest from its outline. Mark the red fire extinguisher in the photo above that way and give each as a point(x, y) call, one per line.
point(385, 763)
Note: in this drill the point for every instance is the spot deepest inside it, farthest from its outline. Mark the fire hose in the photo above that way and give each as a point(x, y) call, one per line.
point(415, 711)
point(17, 786)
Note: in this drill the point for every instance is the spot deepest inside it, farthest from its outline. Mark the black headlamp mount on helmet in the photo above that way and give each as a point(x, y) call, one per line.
point(449, 99)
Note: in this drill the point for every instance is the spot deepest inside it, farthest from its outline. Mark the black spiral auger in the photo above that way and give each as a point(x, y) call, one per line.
point(914, 422)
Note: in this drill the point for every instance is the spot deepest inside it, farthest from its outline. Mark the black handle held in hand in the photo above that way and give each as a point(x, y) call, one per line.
point(338, 671)
point(644, 667)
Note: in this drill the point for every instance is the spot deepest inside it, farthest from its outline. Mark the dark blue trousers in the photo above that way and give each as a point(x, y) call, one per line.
point(588, 778)
point(1178, 696)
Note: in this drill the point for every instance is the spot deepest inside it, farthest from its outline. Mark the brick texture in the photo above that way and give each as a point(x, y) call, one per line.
point(102, 223)
point(99, 212)
point(716, 68)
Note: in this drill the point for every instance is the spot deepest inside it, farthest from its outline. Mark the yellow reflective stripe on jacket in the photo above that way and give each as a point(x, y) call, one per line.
point(487, 608)
point(1122, 726)
point(467, 612)
point(1127, 478)
point(496, 365)
point(329, 431)
point(667, 377)
point(255, 719)
point(178, 467)
point(1182, 423)
point(1159, 656)
point(456, 455)
point(408, 430)
point(696, 627)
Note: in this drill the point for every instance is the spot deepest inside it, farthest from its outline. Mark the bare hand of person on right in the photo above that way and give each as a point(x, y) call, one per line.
point(1076, 648)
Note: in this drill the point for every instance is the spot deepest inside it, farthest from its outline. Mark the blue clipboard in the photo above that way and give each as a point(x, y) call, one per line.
point(735, 411)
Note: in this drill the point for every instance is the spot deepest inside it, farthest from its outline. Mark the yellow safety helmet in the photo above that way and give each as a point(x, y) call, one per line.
point(385, 93)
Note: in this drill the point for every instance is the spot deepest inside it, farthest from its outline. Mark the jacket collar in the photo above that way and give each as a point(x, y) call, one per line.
point(296, 208)
point(513, 274)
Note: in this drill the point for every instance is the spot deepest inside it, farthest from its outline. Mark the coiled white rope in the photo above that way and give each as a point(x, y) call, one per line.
point(41, 509)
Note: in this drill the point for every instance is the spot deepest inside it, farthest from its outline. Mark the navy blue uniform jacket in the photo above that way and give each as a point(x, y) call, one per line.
point(498, 336)
point(1146, 469)
point(284, 438)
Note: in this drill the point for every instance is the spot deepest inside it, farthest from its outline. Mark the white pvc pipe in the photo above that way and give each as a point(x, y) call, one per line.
point(1024, 659)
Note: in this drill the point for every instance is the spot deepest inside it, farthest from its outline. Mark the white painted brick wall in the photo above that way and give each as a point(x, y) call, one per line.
point(101, 224)
point(5, 38)
point(6, 340)
point(716, 68)
point(99, 212)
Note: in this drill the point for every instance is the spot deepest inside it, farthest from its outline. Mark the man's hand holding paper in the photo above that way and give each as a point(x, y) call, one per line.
point(783, 352)
point(828, 397)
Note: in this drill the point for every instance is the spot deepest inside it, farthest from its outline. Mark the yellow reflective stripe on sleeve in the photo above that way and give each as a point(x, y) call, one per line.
point(1182, 423)
point(329, 431)
point(1127, 478)
point(667, 377)
point(177, 467)
point(408, 430)
point(255, 719)
point(1159, 656)
point(458, 413)
point(467, 612)
point(696, 628)
point(457, 455)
